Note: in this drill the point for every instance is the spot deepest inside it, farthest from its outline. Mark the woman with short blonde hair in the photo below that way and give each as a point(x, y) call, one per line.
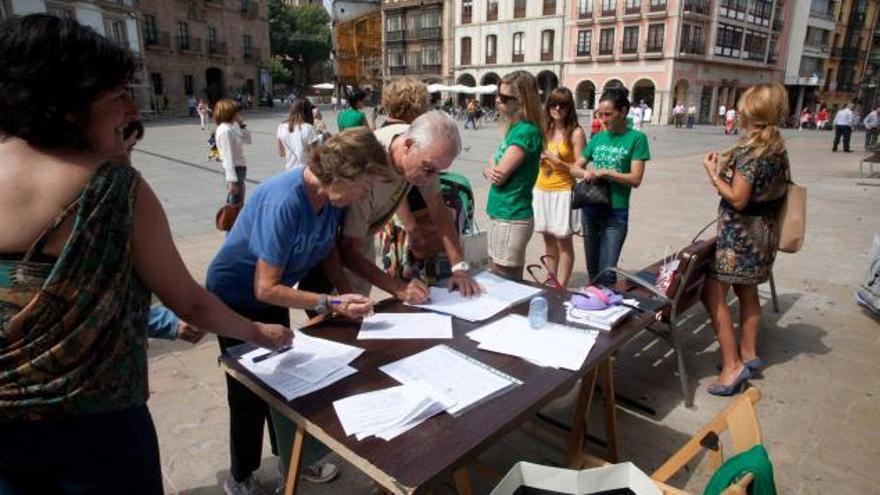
point(286, 230)
point(231, 136)
point(512, 172)
point(405, 99)
point(752, 188)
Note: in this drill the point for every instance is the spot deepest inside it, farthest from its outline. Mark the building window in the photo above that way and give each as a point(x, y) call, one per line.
point(518, 54)
point(247, 46)
point(633, 6)
point(60, 11)
point(492, 10)
point(431, 19)
point(183, 35)
point(188, 84)
point(728, 40)
point(465, 51)
point(414, 60)
point(760, 13)
point(431, 55)
point(658, 5)
point(519, 9)
point(755, 47)
point(211, 38)
point(467, 11)
point(609, 8)
point(631, 39)
point(491, 49)
point(585, 9)
point(655, 38)
point(151, 34)
point(393, 24)
point(547, 45)
point(549, 7)
point(692, 41)
point(584, 41)
point(606, 42)
point(156, 80)
point(773, 53)
point(395, 57)
point(733, 9)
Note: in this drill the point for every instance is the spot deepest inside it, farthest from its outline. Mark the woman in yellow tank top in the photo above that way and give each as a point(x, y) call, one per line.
point(551, 200)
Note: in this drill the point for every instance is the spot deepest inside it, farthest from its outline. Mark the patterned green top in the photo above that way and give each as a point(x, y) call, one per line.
point(73, 333)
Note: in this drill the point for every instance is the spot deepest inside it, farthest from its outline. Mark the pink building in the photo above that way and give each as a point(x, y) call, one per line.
point(699, 52)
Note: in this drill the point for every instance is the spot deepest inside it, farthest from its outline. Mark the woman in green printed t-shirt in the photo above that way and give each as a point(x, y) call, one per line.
point(513, 171)
point(616, 155)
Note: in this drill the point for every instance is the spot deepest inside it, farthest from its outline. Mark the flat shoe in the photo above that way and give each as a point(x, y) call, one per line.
point(735, 387)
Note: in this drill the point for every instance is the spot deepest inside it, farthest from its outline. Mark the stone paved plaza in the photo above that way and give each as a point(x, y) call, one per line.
point(821, 388)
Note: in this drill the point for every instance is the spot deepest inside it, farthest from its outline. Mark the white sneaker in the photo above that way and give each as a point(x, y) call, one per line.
point(246, 487)
point(320, 472)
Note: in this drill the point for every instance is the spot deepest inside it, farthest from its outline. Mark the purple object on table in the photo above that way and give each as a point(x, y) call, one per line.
point(595, 298)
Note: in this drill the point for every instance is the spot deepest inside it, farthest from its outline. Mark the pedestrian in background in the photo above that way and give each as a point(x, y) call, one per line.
point(616, 155)
point(231, 136)
point(296, 136)
point(191, 105)
point(353, 116)
point(203, 110)
point(822, 118)
point(752, 189)
point(512, 172)
point(677, 115)
point(730, 121)
point(872, 128)
point(564, 142)
point(843, 124)
point(691, 116)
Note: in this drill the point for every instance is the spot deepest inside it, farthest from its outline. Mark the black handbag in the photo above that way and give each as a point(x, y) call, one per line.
point(596, 193)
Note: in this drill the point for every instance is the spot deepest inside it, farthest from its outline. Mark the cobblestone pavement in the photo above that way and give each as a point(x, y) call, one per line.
point(821, 387)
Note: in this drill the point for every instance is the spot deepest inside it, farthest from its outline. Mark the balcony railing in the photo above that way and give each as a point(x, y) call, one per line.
point(395, 35)
point(633, 10)
point(549, 7)
point(188, 44)
point(517, 57)
point(466, 16)
point(546, 56)
point(465, 59)
point(519, 11)
point(160, 40)
point(585, 15)
point(609, 13)
point(660, 7)
point(606, 51)
point(819, 47)
point(629, 50)
point(693, 47)
point(848, 53)
point(432, 68)
point(491, 59)
point(582, 53)
point(828, 15)
point(701, 7)
point(654, 48)
point(430, 33)
point(254, 54)
point(217, 48)
point(492, 12)
point(397, 71)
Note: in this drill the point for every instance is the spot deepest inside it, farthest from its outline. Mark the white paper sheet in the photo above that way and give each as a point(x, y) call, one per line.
point(406, 326)
point(464, 380)
point(552, 345)
point(389, 412)
point(311, 359)
point(506, 290)
point(289, 386)
point(499, 295)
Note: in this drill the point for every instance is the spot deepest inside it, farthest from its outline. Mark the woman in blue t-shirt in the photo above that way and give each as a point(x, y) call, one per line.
point(287, 228)
point(616, 157)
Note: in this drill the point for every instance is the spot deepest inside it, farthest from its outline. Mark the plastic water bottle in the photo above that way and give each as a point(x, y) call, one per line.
point(538, 312)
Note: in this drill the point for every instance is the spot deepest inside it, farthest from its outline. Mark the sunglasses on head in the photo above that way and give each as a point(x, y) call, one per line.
point(506, 98)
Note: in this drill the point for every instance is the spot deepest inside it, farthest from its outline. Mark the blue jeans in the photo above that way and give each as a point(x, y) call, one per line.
point(604, 233)
point(234, 199)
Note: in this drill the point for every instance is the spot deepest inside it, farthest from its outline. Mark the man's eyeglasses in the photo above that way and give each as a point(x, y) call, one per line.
point(506, 98)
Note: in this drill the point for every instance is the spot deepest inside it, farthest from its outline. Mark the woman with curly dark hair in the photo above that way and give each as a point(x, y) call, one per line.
point(83, 243)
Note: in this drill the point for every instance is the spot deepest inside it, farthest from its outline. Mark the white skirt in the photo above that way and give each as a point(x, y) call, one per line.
point(553, 213)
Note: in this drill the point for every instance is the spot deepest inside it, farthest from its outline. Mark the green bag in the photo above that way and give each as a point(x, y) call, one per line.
point(755, 461)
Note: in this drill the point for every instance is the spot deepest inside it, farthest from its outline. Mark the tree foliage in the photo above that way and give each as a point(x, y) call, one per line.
point(300, 37)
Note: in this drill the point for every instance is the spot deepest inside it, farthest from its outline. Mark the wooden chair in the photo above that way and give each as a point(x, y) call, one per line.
point(739, 418)
point(745, 432)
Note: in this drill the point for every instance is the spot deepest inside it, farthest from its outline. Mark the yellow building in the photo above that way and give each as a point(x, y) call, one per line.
point(846, 68)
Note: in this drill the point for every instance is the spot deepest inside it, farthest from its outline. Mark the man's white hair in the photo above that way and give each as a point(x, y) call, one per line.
point(435, 127)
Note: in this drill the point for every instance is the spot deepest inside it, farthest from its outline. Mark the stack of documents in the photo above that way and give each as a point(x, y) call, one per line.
point(390, 412)
point(500, 294)
point(603, 319)
point(552, 345)
point(310, 365)
point(406, 326)
point(460, 380)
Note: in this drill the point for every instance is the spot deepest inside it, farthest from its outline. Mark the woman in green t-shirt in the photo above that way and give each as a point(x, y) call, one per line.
point(616, 155)
point(512, 172)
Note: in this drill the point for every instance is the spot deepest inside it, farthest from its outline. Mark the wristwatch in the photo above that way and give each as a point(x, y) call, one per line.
point(323, 307)
point(461, 266)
